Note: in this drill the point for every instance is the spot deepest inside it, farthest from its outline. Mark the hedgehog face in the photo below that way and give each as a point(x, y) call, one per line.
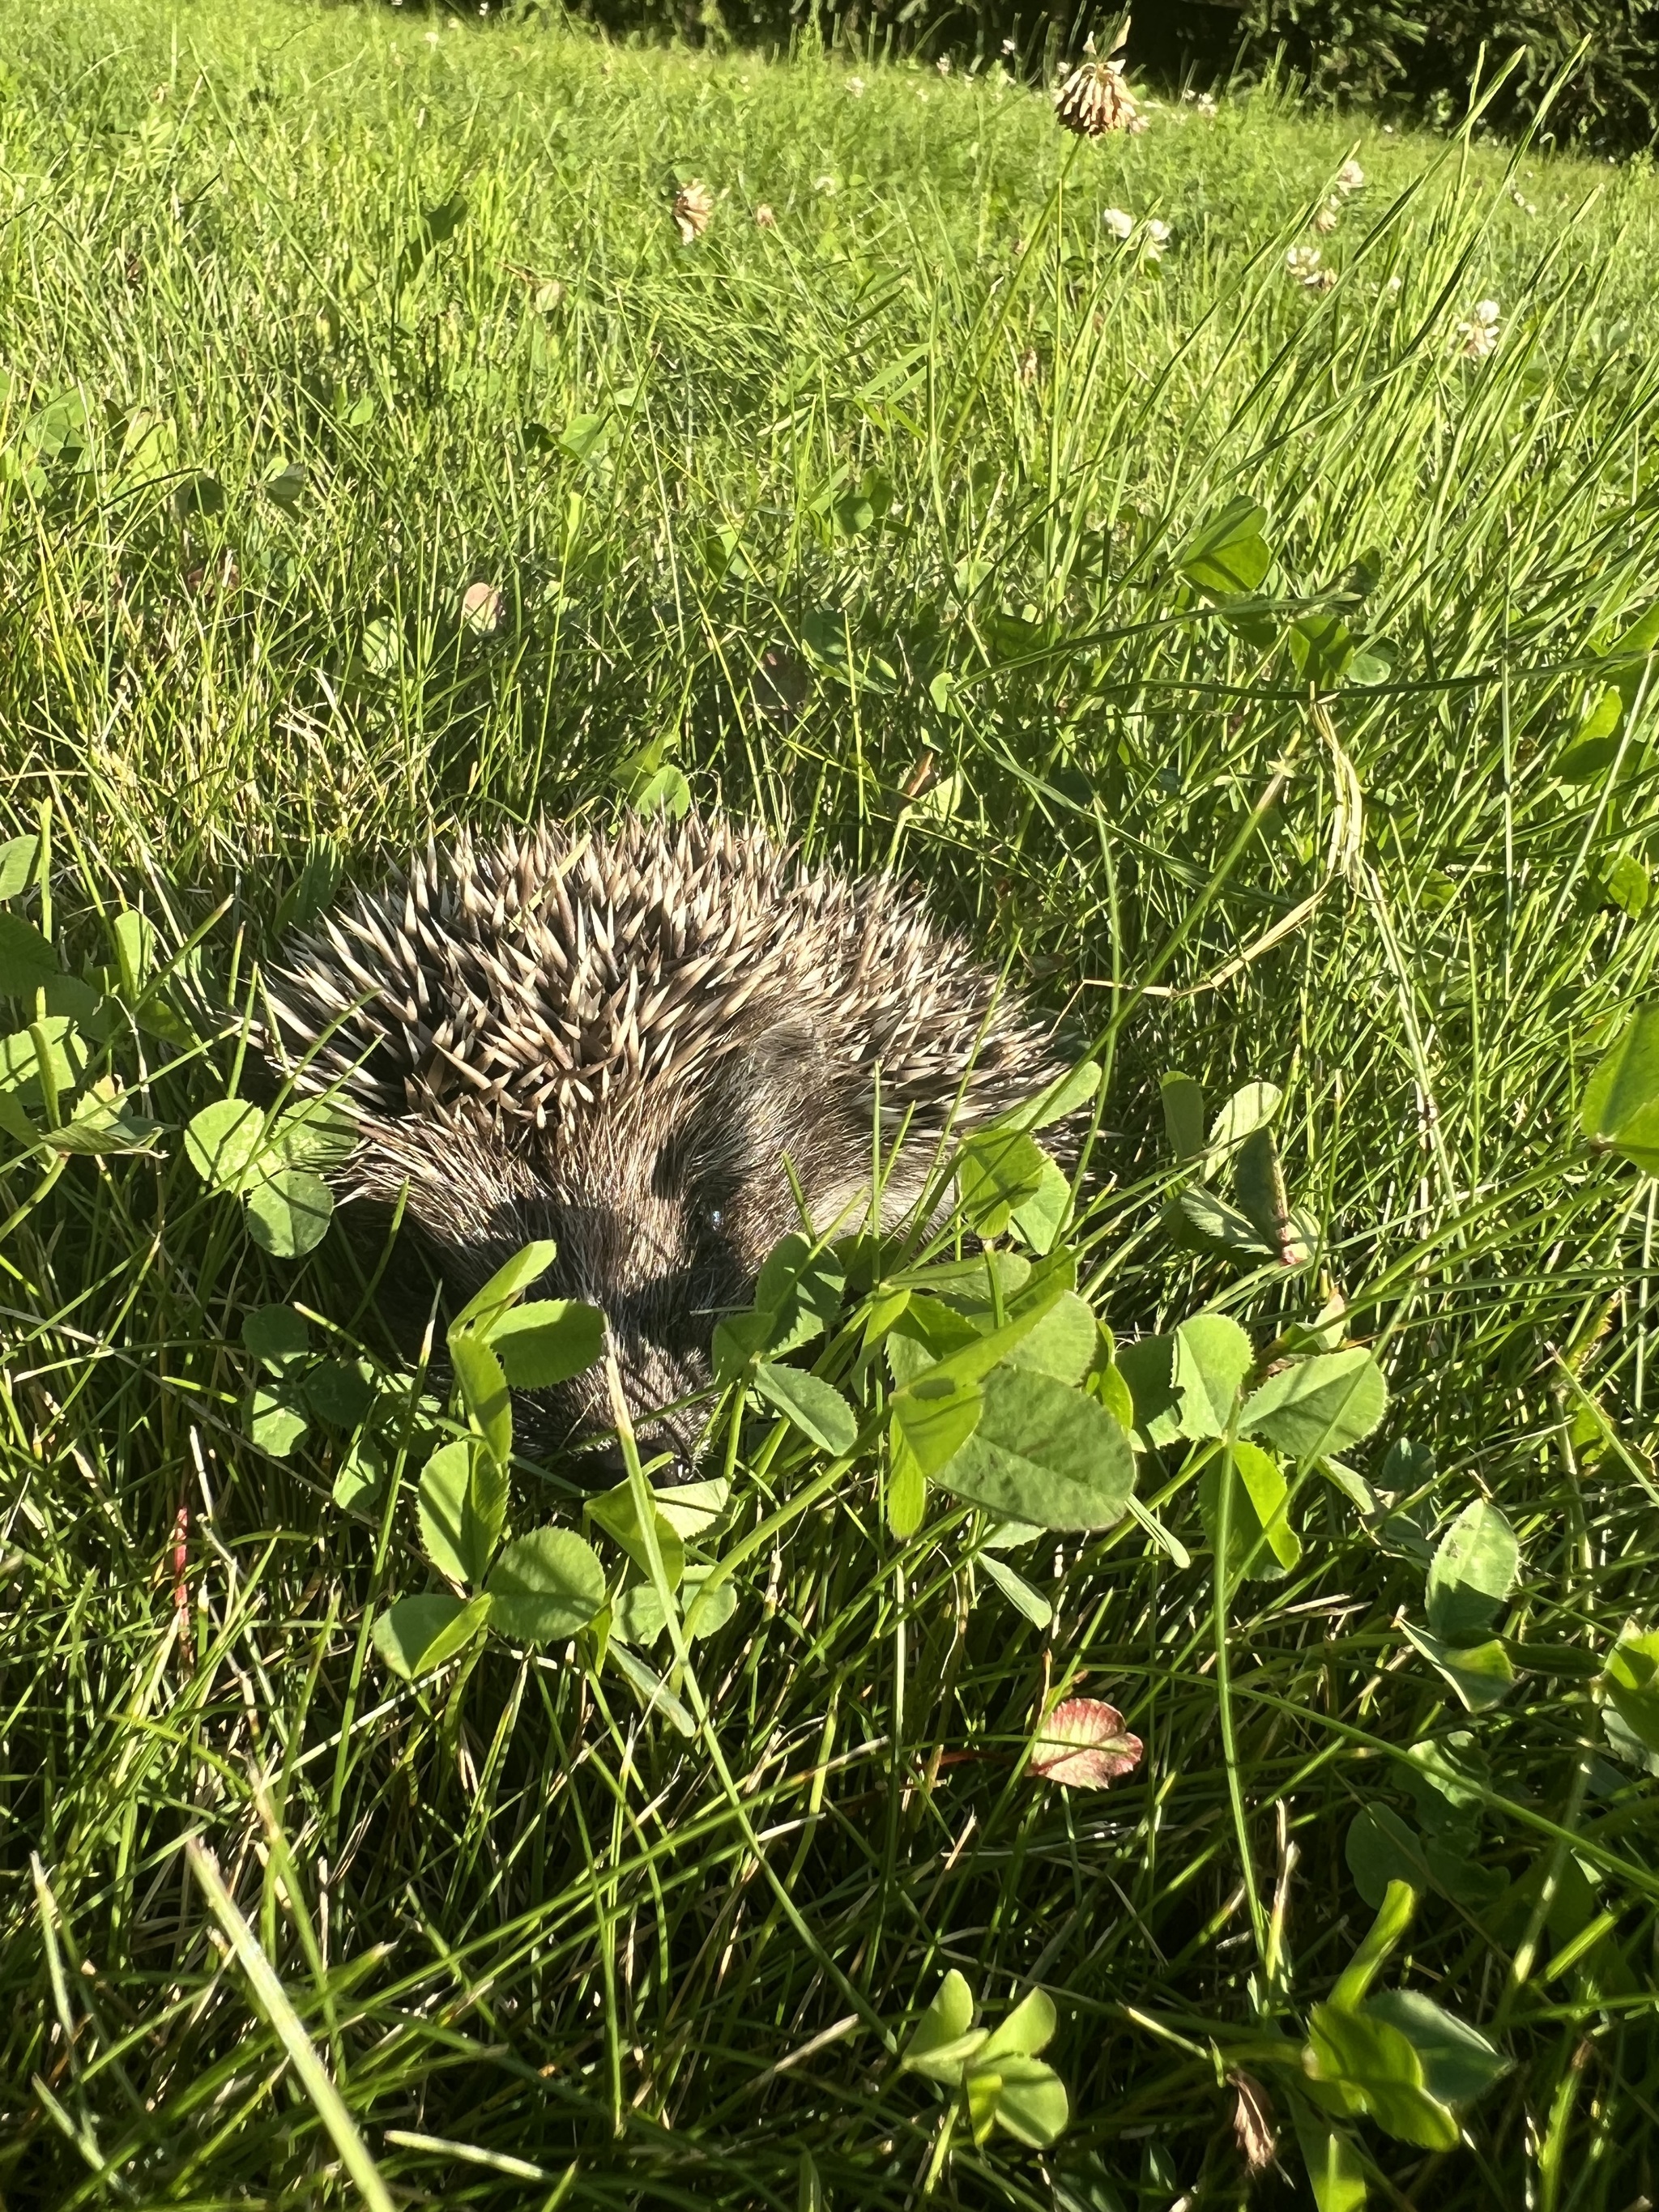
point(619, 1043)
point(664, 1205)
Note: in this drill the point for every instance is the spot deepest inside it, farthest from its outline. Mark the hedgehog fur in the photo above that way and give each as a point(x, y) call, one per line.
point(619, 1041)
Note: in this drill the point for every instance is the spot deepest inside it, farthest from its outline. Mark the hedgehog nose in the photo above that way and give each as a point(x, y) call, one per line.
point(606, 1468)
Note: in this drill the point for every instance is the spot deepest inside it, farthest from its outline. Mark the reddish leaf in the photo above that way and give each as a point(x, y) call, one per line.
point(1085, 1744)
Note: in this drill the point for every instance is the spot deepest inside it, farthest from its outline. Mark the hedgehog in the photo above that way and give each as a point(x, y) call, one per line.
point(659, 1048)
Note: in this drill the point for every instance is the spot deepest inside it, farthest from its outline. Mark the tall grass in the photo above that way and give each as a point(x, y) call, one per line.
point(867, 521)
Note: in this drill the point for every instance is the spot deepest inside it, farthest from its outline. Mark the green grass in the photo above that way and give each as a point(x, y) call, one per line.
point(894, 487)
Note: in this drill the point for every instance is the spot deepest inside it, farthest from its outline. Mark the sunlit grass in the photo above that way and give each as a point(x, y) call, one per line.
point(883, 498)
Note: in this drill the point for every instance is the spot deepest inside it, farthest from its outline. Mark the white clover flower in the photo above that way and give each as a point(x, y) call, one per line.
point(1478, 338)
point(943, 64)
point(856, 85)
point(1302, 265)
point(1349, 177)
point(1206, 103)
point(1118, 222)
point(1326, 220)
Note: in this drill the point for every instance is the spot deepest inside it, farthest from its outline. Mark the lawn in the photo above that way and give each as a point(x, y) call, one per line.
point(1237, 624)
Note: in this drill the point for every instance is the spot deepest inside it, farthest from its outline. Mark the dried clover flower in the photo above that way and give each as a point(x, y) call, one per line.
point(1095, 99)
point(694, 203)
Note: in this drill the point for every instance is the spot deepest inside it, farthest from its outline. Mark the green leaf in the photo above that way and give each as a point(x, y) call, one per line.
point(1040, 1219)
point(285, 482)
point(1257, 1530)
point(1621, 1099)
point(224, 1141)
point(1382, 1848)
point(928, 1331)
point(1019, 1593)
point(1320, 1406)
point(1042, 1453)
point(546, 1586)
point(417, 1634)
point(1481, 1673)
point(1626, 883)
point(1633, 1683)
point(585, 437)
point(504, 1286)
point(1473, 1572)
point(547, 1341)
point(435, 225)
point(1384, 1935)
point(321, 1133)
point(382, 645)
point(276, 1336)
point(340, 1391)
point(289, 1215)
point(17, 858)
point(1029, 2098)
point(967, 1282)
point(692, 1509)
point(1199, 1221)
point(1259, 1184)
point(998, 1170)
point(1212, 1356)
point(944, 2035)
point(738, 1341)
point(1373, 661)
point(1027, 2029)
point(134, 940)
point(1248, 1109)
point(1147, 1368)
point(815, 1407)
point(484, 1394)
point(907, 1488)
point(20, 1057)
point(666, 791)
point(933, 1417)
point(1184, 1117)
point(198, 494)
point(654, 1694)
point(617, 1513)
point(1321, 647)
point(276, 1419)
point(100, 1123)
point(1458, 2063)
point(638, 1617)
point(1228, 557)
point(1447, 1777)
point(1335, 2172)
point(799, 1289)
point(463, 1506)
point(1377, 2070)
point(361, 1473)
point(1063, 1343)
point(1068, 1094)
point(1595, 743)
point(27, 961)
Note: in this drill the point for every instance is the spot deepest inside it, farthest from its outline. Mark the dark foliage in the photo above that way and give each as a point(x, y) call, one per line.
point(1420, 60)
